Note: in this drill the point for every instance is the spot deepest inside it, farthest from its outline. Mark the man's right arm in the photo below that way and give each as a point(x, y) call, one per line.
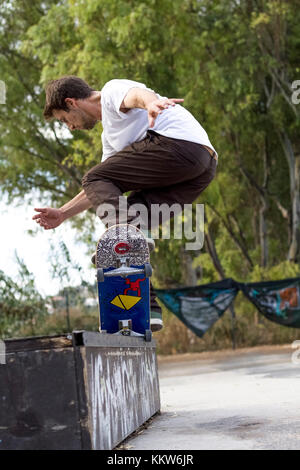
point(145, 99)
point(50, 218)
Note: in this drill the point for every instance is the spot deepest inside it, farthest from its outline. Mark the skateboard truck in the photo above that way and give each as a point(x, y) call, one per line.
point(125, 329)
point(124, 271)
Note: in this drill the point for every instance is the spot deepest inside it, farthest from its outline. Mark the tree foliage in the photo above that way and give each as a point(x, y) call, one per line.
point(20, 302)
point(233, 62)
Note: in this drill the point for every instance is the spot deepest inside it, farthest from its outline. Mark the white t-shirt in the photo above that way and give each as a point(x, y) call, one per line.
point(122, 129)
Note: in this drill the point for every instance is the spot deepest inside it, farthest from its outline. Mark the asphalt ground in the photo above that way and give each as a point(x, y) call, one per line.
point(243, 399)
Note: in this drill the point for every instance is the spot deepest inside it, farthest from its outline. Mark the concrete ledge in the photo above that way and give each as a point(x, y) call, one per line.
point(93, 339)
point(84, 390)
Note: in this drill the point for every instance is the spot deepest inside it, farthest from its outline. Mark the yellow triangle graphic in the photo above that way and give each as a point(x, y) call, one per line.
point(126, 302)
point(117, 302)
point(129, 300)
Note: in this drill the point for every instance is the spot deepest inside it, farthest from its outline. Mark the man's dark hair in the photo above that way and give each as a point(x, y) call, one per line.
point(58, 90)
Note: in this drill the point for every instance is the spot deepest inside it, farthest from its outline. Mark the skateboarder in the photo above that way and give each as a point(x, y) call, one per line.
point(151, 146)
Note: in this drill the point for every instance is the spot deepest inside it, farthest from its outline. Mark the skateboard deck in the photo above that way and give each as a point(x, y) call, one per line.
point(123, 271)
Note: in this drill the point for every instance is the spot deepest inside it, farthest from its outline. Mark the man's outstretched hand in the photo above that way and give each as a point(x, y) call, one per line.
point(156, 107)
point(48, 218)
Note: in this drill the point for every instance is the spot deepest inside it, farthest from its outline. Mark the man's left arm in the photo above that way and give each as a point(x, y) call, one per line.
point(49, 217)
point(148, 100)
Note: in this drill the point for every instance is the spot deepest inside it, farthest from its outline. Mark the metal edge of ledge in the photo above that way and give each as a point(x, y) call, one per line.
point(92, 339)
point(37, 343)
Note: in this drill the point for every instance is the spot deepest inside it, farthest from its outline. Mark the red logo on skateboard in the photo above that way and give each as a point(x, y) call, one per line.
point(126, 301)
point(122, 248)
point(134, 286)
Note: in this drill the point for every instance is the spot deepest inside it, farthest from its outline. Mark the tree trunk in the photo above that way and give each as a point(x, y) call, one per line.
point(189, 273)
point(240, 242)
point(211, 249)
point(262, 190)
point(294, 172)
point(255, 229)
point(263, 234)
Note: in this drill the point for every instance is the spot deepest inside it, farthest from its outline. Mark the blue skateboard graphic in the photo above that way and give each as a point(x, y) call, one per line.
point(123, 271)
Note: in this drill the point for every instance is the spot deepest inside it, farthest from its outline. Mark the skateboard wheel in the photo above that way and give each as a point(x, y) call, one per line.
point(148, 270)
point(100, 275)
point(148, 335)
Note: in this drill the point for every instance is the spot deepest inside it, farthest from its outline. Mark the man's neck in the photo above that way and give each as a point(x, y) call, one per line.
point(93, 105)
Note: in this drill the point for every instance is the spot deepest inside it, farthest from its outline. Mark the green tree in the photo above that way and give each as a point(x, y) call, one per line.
point(21, 304)
point(34, 154)
point(62, 267)
point(233, 62)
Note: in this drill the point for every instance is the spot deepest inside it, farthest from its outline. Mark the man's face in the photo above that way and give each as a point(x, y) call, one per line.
point(75, 119)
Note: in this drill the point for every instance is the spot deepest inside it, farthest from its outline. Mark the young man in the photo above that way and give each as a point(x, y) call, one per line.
point(151, 146)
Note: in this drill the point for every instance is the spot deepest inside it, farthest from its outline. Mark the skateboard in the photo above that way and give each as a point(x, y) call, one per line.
point(123, 272)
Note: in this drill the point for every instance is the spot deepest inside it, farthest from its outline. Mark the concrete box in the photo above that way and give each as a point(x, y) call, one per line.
point(83, 390)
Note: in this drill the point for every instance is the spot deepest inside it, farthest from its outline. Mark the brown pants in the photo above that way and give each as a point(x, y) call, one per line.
point(156, 170)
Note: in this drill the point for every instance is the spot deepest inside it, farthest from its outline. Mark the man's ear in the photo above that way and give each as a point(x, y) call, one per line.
point(71, 103)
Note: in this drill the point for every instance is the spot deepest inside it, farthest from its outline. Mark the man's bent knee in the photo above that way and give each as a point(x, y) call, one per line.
point(92, 175)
